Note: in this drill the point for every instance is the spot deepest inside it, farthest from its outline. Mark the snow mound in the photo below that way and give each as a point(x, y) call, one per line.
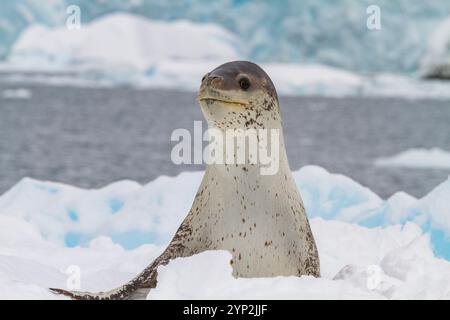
point(122, 41)
point(418, 158)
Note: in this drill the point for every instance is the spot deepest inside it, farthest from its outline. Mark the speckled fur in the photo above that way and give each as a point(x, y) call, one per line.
point(259, 219)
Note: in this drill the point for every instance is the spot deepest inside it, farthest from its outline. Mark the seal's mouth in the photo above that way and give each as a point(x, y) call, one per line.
point(239, 103)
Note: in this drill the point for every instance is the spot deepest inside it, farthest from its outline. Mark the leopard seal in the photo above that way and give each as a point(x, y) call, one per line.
point(259, 219)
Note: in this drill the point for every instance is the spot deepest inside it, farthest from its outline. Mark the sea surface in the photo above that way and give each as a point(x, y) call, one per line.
point(90, 137)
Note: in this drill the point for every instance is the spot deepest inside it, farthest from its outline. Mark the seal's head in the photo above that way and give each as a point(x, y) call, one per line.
point(239, 94)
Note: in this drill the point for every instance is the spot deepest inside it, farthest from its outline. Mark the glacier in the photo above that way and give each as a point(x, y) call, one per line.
point(309, 32)
point(110, 234)
point(125, 49)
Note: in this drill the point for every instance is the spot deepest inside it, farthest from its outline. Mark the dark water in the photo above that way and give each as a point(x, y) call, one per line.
point(92, 137)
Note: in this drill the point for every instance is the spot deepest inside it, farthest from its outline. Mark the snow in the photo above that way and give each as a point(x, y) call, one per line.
point(357, 263)
point(369, 248)
point(125, 49)
point(418, 158)
point(208, 276)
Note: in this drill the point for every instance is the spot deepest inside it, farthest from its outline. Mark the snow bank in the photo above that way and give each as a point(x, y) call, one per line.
point(418, 158)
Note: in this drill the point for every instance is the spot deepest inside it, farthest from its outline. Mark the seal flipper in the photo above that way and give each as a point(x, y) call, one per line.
point(117, 294)
point(136, 289)
point(139, 286)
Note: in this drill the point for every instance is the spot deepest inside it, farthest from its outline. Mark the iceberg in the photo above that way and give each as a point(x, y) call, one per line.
point(418, 158)
point(122, 41)
point(19, 93)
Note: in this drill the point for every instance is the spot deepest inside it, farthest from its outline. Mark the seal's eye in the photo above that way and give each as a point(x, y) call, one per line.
point(244, 83)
